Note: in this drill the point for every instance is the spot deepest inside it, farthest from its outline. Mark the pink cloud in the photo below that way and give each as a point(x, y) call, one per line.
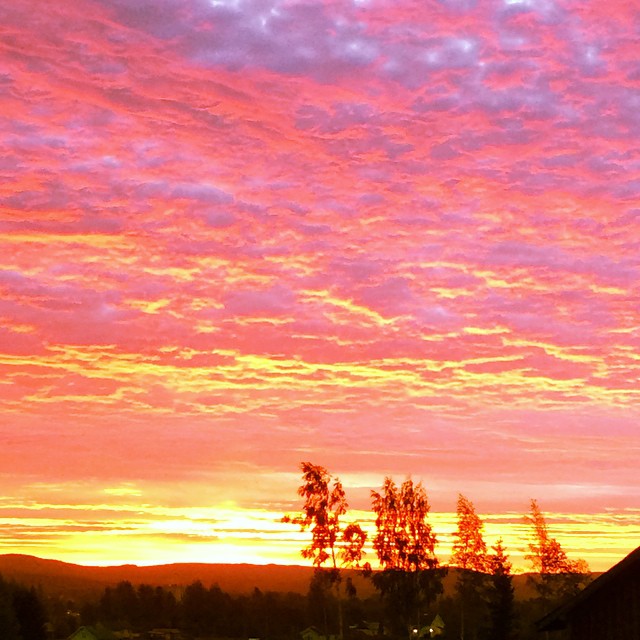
point(400, 238)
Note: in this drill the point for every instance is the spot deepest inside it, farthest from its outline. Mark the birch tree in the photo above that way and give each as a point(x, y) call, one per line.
point(334, 543)
point(556, 576)
point(410, 577)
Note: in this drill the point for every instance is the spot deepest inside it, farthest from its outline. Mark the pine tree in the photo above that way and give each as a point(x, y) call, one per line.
point(500, 594)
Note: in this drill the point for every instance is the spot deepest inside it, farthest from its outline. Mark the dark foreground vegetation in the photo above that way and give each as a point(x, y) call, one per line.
point(23, 614)
point(206, 611)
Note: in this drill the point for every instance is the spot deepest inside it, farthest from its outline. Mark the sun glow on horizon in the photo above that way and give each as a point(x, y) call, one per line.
point(239, 536)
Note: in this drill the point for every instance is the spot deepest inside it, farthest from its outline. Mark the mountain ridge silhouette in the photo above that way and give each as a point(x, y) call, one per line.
point(83, 582)
point(233, 578)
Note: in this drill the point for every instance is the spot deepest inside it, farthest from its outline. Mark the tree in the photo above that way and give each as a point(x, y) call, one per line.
point(30, 613)
point(118, 607)
point(155, 607)
point(405, 545)
point(199, 609)
point(470, 556)
point(9, 626)
point(558, 577)
point(500, 594)
point(469, 548)
point(332, 541)
point(320, 601)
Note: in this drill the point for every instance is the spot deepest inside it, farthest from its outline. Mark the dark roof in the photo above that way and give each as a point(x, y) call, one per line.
point(99, 632)
point(557, 619)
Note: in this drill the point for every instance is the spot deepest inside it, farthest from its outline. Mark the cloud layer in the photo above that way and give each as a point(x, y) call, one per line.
point(392, 238)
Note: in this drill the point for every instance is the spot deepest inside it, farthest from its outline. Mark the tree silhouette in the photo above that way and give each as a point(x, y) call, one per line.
point(469, 548)
point(155, 608)
point(500, 594)
point(558, 577)
point(332, 541)
point(9, 626)
point(205, 611)
point(119, 606)
point(470, 556)
point(320, 600)
point(405, 545)
point(30, 613)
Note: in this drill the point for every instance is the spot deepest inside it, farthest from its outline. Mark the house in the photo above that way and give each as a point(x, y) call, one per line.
point(608, 608)
point(436, 628)
point(365, 630)
point(92, 633)
point(312, 633)
point(165, 634)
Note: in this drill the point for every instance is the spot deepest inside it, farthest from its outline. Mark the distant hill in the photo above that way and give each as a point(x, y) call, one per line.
point(79, 582)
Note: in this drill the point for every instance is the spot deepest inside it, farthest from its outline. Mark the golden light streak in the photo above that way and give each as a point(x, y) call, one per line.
point(15, 327)
point(348, 305)
point(563, 353)
point(97, 241)
point(149, 306)
point(485, 331)
point(415, 377)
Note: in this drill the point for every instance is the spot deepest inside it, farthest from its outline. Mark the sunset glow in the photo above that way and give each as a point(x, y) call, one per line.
point(390, 238)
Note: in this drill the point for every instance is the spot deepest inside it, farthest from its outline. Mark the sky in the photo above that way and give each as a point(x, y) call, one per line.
point(392, 238)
